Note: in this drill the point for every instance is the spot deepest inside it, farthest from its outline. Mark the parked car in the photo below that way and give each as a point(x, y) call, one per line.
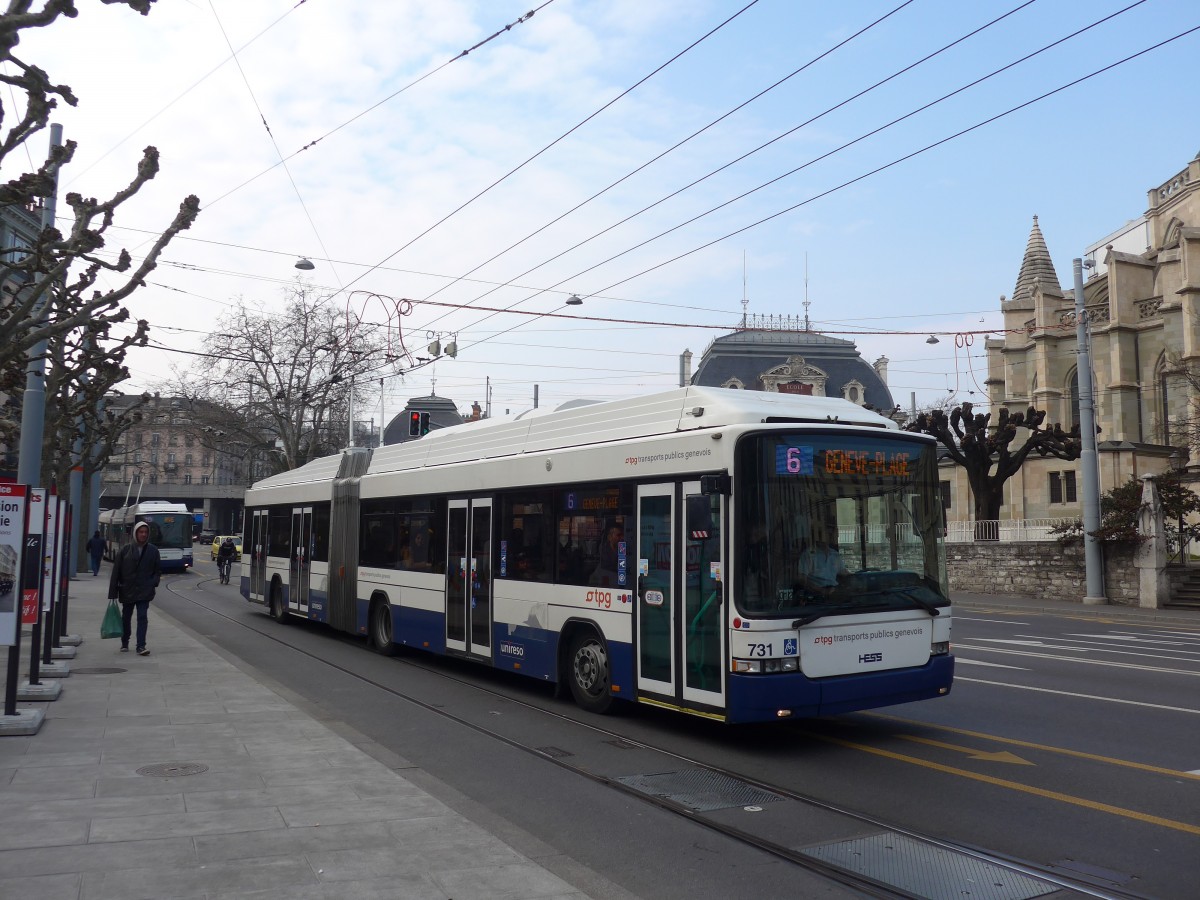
point(220, 539)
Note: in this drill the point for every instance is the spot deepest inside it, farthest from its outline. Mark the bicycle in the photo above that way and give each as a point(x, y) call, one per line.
point(224, 566)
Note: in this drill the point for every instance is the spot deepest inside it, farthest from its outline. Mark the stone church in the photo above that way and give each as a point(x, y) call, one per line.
point(1142, 308)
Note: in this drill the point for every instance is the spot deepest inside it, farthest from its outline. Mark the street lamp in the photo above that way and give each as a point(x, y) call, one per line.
point(305, 264)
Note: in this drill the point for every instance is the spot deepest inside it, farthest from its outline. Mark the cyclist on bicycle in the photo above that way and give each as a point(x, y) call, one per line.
point(225, 557)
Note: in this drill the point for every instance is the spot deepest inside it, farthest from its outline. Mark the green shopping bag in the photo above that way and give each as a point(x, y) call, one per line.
point(111, 627)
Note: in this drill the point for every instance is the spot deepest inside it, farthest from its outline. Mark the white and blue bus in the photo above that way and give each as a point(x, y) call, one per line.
point(170, 531)
point(739, 555)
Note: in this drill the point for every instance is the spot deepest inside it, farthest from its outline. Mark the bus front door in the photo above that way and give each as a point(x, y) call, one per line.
point(469, 577)
point(299, 569)
point(258, 555)
point(702, 598)
point(655, 580)
point(680, 598)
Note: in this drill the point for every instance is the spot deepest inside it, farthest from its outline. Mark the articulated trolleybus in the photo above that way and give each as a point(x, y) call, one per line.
point(739, 555)
point(170, 531)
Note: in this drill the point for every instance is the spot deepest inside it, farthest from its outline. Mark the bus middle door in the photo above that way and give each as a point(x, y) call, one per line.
point(469, 577)
point(299, 568)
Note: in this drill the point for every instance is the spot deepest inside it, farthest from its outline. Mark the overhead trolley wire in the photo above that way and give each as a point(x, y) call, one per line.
point(670, 149)
point(270, 134)
point(897, 161)
point(838, 149)
point(553, 143)
point(741, 158)
point(186, 91)
point(520, 21)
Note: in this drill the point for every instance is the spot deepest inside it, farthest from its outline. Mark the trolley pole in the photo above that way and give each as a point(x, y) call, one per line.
point(1093, 558)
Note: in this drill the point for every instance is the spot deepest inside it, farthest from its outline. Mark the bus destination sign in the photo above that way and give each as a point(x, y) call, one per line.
point(804, 460)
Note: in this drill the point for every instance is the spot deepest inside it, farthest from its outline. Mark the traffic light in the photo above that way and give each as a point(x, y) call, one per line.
point(414, 423)
point(424, 423)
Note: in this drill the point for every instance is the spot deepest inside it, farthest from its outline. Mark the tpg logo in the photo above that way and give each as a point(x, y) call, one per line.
point(870, 658)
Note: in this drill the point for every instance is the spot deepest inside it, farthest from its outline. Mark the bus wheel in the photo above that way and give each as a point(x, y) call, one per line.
point(381, 628)
point(278, 610)
point(589, 672)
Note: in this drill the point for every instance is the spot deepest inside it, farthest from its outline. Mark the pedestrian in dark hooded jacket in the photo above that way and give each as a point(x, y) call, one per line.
point(135, 575)
point(95, 549)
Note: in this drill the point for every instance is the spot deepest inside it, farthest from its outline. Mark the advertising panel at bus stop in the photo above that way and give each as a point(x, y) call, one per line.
point(12, 539)
point(31, 566)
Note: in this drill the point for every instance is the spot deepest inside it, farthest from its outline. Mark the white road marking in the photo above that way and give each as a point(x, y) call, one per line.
point(959, 617)
point(1024, 687)
point(958, 660)
point(1086, 662)
point(1028, 643)
point(1131, 638)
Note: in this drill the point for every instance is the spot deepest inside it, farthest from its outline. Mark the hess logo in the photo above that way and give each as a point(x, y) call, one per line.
point(870, 658)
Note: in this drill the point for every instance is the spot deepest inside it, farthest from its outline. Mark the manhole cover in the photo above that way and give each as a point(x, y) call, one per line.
point(98, 670)
point(172, 770)
point(699, 789)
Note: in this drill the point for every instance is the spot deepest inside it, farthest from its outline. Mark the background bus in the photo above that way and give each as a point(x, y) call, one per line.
point(170, 531)
point(661, 550)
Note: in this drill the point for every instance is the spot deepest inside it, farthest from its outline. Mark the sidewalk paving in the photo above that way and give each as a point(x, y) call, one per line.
point(102, 803)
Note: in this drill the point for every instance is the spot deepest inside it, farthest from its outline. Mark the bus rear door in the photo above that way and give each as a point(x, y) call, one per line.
point(258, 555)
point(680, 598)
point(469, 577)
point(299, 570)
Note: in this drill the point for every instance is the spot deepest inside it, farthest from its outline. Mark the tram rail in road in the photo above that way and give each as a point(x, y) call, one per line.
point(861, 852)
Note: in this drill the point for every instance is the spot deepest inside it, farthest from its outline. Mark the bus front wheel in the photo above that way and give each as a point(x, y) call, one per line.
point(589, 674)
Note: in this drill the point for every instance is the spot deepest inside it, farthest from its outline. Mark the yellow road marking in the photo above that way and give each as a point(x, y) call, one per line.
point(1078, 754)
point(1002, 756)
point(1016, 786)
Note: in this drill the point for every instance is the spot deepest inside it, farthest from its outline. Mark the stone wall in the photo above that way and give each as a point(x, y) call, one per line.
point(1039, 568)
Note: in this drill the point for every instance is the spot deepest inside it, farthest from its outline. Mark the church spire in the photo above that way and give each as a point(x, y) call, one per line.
point(1036, 266)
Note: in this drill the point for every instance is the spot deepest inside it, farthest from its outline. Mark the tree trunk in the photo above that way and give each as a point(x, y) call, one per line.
point(988, 499)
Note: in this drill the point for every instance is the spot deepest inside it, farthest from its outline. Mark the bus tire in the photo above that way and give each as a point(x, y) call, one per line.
point(380, 628)
point(278, 611)
point(588, 672)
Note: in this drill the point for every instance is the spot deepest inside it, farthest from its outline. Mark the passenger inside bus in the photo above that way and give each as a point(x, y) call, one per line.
point(821, 568)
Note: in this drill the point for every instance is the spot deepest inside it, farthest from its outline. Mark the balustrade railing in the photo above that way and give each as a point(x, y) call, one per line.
point(1003, 530)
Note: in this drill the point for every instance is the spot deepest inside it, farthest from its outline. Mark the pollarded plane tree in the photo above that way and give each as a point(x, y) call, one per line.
point(993, 454)
point(51, 284)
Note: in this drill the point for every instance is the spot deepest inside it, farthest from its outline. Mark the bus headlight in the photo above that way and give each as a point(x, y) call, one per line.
point(941, 648)
point(766, 666)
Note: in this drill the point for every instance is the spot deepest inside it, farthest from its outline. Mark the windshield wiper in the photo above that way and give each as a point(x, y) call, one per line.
point(924, 604)
point(808, 619)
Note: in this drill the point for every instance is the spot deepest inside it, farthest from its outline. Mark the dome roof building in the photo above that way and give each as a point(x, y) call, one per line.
point(783, 354)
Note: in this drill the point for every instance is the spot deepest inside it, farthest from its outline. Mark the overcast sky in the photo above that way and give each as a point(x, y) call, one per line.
point(925, 245)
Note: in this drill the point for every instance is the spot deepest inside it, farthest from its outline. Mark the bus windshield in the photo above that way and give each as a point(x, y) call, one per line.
point(170, 530)
point(834, 524)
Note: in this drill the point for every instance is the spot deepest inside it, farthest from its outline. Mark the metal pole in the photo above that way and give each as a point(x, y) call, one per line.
point(1093, 558)
point(350, 413)
point(33, 403)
